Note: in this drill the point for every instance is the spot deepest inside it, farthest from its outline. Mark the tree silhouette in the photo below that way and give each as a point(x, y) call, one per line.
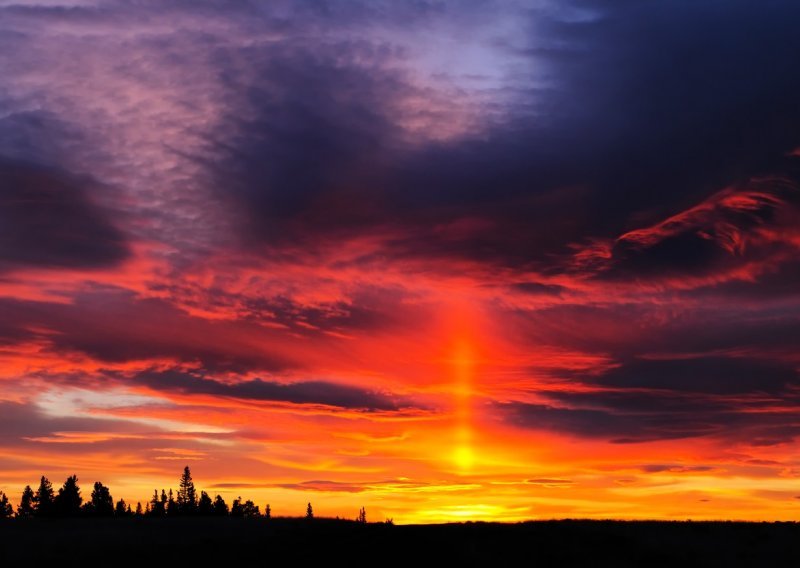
point(236, 508)
point(43, 500)
point(220, 508)
point(101, 503)
point(68, 501)
point(156, 506)
point(204, 504)
point(6, 510)
point(170, 506)
point(187, 496)
point(250, 510)
point(27, 505)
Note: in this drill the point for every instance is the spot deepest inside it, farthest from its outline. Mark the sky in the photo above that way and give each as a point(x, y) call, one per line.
point(446, 260)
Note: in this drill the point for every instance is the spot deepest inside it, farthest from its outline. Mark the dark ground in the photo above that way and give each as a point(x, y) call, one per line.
point(229, 542)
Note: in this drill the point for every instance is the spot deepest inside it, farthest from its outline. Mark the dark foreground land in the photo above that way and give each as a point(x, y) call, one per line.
point(229, 542)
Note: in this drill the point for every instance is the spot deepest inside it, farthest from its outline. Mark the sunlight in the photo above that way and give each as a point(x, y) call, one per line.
point(464, 457)
point(464, 363)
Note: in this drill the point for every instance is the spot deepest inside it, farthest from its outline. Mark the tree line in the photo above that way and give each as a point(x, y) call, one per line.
point(68, 502)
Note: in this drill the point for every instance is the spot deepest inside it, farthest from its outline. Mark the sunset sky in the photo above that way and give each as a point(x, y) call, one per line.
point(443, 259)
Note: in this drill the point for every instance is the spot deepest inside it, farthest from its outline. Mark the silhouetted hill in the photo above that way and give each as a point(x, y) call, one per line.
point(549, 543)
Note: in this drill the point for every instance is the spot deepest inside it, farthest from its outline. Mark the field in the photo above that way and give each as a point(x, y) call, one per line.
point(260, 541)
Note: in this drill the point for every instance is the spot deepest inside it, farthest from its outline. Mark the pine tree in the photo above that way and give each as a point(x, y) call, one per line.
point(6, 510)
point(236, 508)
point(27, 505)
point(170, 506)
point(204, 504)
point(154, 507)
point(43, 500)
point(187, 496)
point(268, 512)
point(220, 508)
point(362, 516)
point(309, 512)
point(68, 501)
point(102, 504)
point(138, 509)
point(121, 510)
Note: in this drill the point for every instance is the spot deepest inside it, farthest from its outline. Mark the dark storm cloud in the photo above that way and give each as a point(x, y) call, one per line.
point(305, 392)
point(114, 326)
point(309, 160)
point(722, 375)
point(720, 234)
point(632, 330)
point(606, 422)
point(643, 416)
point(47, 216)
point(47, 220)
point(651, 109)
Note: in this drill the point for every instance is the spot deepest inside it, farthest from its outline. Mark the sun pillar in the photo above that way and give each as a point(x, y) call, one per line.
point(463, 362)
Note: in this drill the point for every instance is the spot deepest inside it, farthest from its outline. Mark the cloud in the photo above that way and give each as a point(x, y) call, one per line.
point(47, 220)
point(506, 153)
point(303, 392)
point(114, 326)
point(730, 235)
point(605, 423)
point(704, 374)
point(25, 421)
point(636, 416)
point(321, 153)
point(325, 486)
point(662, 468)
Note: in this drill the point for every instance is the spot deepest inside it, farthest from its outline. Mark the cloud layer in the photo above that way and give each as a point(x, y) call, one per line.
point(438, 244)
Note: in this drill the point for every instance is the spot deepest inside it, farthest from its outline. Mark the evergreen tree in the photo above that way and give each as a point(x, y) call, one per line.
point(139, 512)
point(220, 508)
point(27, 505)
point(154, 507)
point(250, 510)
point(268, 512)
point(236, 508)
point(309, 512)
point(102, 504)
point(187, 495)
point(362, 516)
point(170, 506)
point(121, 509)
point(68, 501)
point(6, 510)
point(43, 500)
point(204, 505)
point(147, 511)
